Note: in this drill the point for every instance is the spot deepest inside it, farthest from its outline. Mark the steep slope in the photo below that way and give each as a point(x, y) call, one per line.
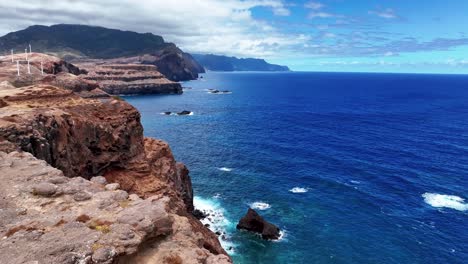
point(66, 214)
point(80, 41)
point(224, 63)
point(130, 79)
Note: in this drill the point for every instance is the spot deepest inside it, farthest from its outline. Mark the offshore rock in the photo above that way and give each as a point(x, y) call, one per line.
point(253, 222)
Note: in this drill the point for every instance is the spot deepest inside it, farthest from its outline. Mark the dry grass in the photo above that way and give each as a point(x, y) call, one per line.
point(100, 225)
point(96, 246)
point(125, 203)
point(118, 98)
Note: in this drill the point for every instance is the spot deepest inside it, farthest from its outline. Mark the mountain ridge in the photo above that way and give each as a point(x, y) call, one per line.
point(73, 41)
point(214, 62)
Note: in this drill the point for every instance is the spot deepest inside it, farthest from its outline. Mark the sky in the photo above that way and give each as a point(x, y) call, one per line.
point(420, 36)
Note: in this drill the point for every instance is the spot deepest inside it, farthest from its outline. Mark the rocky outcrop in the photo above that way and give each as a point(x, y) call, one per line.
point(143, 216)
point(130, 79)
point(70, 220)
point(253, 222)
point(78, 136)
point(49, 70)
point(90, 42)
point(49, 218)
point(175, 64)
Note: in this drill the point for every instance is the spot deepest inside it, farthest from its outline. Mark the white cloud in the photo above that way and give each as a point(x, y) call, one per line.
point(387, 13)
point(281, 11)
point(313, 15)
point(314, 5)
point(221, 26)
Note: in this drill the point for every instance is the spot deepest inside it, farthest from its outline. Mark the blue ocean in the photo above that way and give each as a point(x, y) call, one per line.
point(353, 167)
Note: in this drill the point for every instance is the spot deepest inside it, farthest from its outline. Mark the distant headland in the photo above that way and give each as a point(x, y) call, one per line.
point(80, 43)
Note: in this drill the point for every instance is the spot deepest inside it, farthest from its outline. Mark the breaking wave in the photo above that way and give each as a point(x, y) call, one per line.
point(299, 190)
point(260, 205)
point(448, 201)
point(216, 221)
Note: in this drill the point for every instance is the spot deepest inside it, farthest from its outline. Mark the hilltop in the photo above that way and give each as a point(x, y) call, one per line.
point(81, 42)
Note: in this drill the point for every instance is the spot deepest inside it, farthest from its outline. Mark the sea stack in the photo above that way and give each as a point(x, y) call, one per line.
point(253, 222)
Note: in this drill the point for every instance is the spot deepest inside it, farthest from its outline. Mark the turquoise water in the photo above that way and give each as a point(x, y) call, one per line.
point(379, 162)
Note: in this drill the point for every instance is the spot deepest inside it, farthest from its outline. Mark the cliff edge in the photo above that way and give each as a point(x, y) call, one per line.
point(81, 184)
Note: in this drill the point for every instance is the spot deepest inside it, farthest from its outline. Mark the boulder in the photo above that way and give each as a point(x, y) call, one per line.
point(253, 222)
point(112, 186)
point(199, 214)
point(99, 180)
point(185, 112)
point(44, 189)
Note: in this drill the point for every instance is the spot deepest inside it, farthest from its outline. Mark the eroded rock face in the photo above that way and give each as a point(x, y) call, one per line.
point(253, 222)
point(84, 138)
point(80, 137)
point(130, 79)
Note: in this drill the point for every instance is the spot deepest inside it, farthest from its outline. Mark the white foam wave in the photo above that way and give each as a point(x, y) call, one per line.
point(216, 221)
point(299, 190)
point(260, 205)
point(282, 236)
point(448, 201)
point(225, 169)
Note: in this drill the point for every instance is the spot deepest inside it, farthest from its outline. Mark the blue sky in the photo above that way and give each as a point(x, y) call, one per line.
point(422, 36)
point(371, 35)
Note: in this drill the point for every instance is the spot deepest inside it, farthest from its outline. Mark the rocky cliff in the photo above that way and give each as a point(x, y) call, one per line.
point(130, 79)
point(88, 78)
point(81, 41)
point(53, 145)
